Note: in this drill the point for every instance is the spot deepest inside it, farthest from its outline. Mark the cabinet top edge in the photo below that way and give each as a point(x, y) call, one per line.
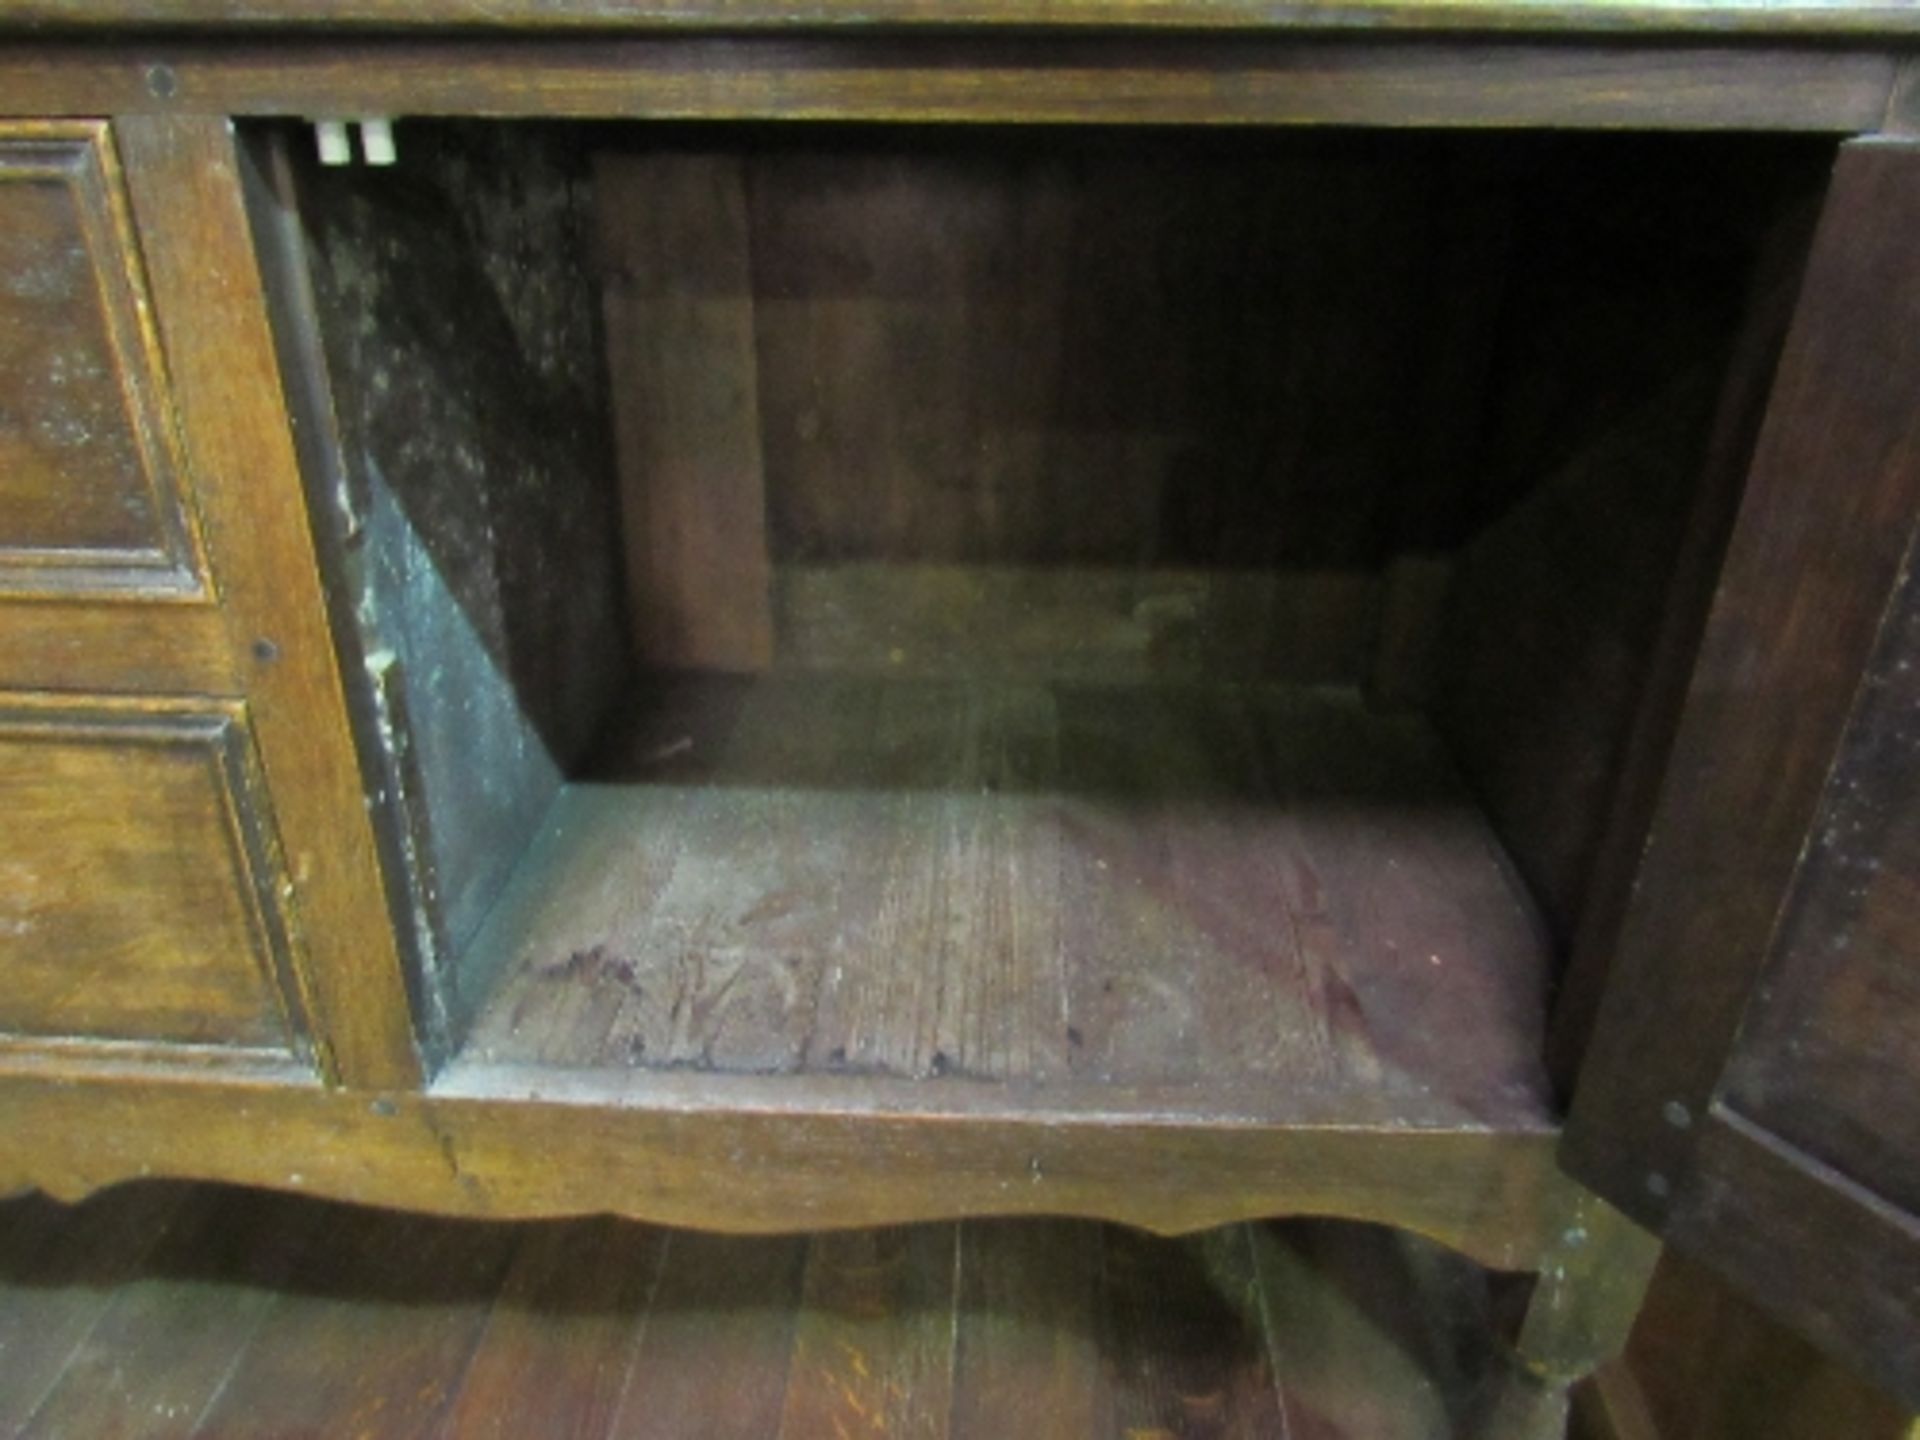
point(1807, 19)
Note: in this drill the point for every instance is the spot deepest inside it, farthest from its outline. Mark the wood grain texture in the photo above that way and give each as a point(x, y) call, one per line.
point(1013, 622)
point(712, 1356)
point(1825, 1045)
point(439, 333)
point(164, 1347)
point(1029, 1358)
point(673, 248)
point(92, 491)
point(1625, 294)
point(1704, 1364)
point(96, 647)
point(184, 182)
point(61, 1270)
point(1813, 18)
point(1294, 1332)
point(1813, 1247)
point(1216, 890)
point(1830, 502)
point(1095, 351)
point(747, 1155)
point(558, 1350)
point(1797, 693)
point(873, 1348)
point(372, 1331)
point(1739, 414)
point(1171, 80)
point(142, 891)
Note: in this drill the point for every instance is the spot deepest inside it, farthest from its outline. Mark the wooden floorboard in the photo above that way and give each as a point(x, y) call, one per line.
point(61, 1269)
point(167, 1311)
point(1219, 889)
point(171, 1336)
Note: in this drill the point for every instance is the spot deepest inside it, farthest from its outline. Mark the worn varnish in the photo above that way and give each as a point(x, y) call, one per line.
point(1210, 888)
point(1653, 17)
point(174, 1311)
point(152, 911)
point(91, 489)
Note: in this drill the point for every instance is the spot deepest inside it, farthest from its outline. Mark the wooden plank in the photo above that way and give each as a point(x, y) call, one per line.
point(1028, 1360)
point(100, 648)
point(1352, 1353)
point(1595, 453)
point(1173, 978)
point(1174, 80)
point(873, 1350)
point(1811, 1246)
point(1049, 1329)
point(92, 494)
point(558, 1348)
point(1825, 1047)
point(1029, 423)
point(714, 1355)
point(768, 886)
point(1831, 500)
point(1180, 1327)
point(58, 1270)
point(169, 1337)
point(1705, 1363)
point(959, 968)
point(1010, 622)
point(372, 1331)
point(751, 1155)
point(679, 303)
point(1212, 888)
point(142, 902)
point(184, 180)
point(1812, 18)
point(1739, 413)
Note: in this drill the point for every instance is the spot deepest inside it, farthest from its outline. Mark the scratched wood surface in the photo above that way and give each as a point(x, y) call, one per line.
point(195, 1311)
point(1209, 888)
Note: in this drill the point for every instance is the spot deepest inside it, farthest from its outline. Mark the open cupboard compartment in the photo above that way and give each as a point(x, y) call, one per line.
point(1150, 622)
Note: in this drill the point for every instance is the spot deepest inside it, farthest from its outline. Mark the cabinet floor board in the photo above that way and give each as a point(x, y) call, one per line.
point(1222, 897)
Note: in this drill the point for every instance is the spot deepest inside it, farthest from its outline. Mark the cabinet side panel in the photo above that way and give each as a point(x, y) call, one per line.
point(1741, 852)
point(458, 329)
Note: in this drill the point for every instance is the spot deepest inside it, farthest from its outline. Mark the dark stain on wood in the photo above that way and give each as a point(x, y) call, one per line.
point(1023, 883)
point(459, 331)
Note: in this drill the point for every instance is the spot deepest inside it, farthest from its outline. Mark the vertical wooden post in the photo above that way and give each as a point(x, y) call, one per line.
point(681, 355)
point(183, 176)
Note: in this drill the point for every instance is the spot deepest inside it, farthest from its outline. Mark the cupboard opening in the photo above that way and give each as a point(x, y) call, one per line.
point(1160, 620)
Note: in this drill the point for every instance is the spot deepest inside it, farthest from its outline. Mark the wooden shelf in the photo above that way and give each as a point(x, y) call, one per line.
point(989, 897)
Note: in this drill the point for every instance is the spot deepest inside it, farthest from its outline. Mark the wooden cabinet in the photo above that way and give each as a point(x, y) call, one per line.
point(1192, 667)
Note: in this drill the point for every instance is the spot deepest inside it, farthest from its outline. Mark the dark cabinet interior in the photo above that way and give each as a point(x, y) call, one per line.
point(1156, 615)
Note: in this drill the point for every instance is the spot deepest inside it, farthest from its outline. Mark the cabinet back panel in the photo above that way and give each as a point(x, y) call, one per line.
point(1053, 379)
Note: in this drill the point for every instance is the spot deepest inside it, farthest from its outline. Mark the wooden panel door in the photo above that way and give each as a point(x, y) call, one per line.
point(1751, 1086)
